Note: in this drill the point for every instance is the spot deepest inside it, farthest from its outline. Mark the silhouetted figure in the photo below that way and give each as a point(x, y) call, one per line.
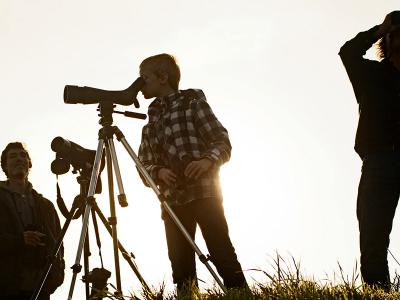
point(29, 228)
point(376, 86)
point(183, 146)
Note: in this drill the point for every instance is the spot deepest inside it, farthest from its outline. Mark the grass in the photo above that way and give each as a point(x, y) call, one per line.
point(285, 282)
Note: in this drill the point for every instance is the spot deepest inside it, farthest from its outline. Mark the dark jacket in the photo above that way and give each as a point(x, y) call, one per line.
point(376, 86)
point(12, 245)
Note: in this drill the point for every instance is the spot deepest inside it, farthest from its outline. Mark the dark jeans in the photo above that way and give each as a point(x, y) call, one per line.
point(378, 195)
point(209, 215)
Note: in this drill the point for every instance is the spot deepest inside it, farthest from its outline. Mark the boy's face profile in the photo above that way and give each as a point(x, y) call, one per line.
point(154, 85)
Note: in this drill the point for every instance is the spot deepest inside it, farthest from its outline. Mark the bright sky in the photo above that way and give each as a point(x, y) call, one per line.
point(271, 73)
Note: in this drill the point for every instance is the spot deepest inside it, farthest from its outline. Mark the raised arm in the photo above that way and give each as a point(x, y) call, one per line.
point(352, 51)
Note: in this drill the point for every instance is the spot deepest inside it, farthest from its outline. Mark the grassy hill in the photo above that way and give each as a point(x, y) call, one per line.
point(286, 282)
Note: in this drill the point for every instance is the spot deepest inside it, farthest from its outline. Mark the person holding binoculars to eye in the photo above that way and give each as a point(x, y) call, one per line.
point(376, 86)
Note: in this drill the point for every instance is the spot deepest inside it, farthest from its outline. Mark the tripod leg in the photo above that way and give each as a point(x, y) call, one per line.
point(113, 219)
point(122, 196)
point(168, 209)
point(86, 254)
point(53, 256)
point(86, 251)
point(92, 188)
point(124, 252)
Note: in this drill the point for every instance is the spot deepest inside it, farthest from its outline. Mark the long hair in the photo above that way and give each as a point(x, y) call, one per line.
point(382, 47)
point(385, 45)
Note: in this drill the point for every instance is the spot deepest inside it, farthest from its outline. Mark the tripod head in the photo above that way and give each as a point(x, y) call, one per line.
point(78, 204)
point(106, 109)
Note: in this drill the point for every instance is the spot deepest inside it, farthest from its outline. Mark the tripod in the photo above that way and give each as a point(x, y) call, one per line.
point(106, 134)
point(76, 210)
point(105, 140)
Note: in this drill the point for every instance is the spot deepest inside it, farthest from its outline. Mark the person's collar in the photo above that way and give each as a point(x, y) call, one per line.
point(169, 98)
point(5, 185)
point(161, 104)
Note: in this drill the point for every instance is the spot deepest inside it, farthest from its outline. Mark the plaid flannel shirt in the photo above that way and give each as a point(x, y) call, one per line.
point(182, 128)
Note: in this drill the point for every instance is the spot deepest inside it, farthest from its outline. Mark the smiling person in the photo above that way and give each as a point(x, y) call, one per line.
point(376, 86)
point(182, 148)
point(29, 228)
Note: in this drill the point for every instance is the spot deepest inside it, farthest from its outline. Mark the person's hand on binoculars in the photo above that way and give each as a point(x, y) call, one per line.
point(33, 238)
point(197, 168)
point(167, 176)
